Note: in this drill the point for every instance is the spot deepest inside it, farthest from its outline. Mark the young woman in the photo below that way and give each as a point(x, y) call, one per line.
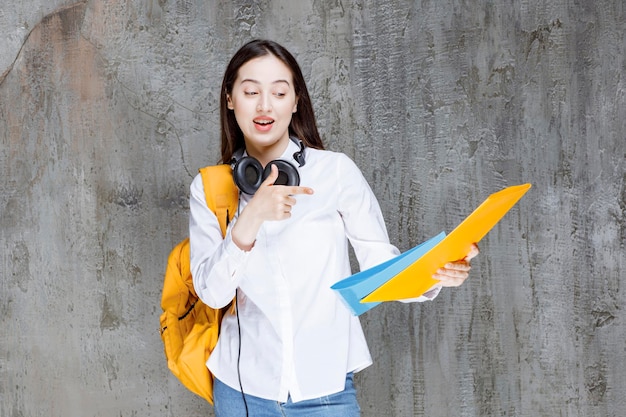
point(292, 347)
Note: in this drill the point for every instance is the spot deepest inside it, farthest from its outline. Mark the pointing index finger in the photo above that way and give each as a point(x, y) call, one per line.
point(293, 190)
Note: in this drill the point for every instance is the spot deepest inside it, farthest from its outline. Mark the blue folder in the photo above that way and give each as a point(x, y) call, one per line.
point(354, 288)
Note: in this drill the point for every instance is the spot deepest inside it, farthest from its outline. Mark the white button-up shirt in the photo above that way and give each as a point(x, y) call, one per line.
point(297, 336)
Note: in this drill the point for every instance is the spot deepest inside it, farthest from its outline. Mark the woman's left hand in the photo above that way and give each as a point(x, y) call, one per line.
point(453, 274)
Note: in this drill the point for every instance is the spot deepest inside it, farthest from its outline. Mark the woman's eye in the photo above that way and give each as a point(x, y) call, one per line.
point(250, 93)
point(278, 94)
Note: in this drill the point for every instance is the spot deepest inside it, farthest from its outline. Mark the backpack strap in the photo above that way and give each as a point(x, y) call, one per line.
point(222, 195)
point(222, 198)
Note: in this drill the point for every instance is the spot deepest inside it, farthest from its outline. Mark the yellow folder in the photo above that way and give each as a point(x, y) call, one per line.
point(416, 279)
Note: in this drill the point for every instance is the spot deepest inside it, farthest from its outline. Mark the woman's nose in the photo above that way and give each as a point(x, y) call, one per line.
point(264, 104)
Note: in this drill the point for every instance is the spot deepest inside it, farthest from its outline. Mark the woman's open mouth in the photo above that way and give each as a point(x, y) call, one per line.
point(263, 124)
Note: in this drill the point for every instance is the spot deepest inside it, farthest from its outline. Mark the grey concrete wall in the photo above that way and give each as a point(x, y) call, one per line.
point(108, 108)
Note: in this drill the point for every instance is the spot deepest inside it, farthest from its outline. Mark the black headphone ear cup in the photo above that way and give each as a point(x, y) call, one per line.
point(248, 175)
point(287, 173)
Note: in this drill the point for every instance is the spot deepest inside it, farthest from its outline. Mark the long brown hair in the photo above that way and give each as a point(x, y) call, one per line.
point(303, 124)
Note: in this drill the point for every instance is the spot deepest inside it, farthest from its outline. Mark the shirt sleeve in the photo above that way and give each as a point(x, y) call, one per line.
point(362, 217)
point(216, 262)
point(365, 225)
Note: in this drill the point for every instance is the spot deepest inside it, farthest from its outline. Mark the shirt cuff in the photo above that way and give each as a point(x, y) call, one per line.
point(239, 255)
point(427, 296)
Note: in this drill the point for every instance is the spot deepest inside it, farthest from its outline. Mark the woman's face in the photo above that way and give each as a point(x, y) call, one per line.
point(263, 100)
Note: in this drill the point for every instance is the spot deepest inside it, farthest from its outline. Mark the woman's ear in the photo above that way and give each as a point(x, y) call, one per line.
point(229, 102)
point(295, 106)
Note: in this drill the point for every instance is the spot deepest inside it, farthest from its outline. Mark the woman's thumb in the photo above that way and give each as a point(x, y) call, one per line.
point(272, 177)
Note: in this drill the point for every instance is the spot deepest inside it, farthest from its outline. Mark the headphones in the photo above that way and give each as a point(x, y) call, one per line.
point(249, 174)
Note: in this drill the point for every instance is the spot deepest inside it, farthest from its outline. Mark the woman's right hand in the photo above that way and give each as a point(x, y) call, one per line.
point(270, 202)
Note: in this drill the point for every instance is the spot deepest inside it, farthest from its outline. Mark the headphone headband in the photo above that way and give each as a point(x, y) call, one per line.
point(298, 156)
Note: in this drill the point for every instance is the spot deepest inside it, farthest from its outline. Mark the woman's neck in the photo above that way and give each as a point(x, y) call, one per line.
point(265, 154)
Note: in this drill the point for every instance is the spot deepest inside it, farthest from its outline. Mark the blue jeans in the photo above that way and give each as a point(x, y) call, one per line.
point(229, 403)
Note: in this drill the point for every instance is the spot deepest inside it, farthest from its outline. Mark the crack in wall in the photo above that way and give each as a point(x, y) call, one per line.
point(161, 118)
point(35, 27)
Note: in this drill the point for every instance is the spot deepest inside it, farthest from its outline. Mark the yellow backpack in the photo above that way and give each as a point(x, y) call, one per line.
point(189, 328)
